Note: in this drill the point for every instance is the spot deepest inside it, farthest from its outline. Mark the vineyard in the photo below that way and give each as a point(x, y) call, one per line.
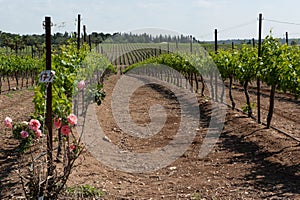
point(278, 68)
point(248, 116)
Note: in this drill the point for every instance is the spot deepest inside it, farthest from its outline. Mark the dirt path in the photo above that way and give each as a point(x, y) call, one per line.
point(248, 162)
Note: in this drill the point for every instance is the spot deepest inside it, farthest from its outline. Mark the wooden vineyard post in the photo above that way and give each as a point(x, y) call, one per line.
point(253, 42)
point(216, 72)
point(32, 53)
point(191, 44)
point(84, 33)
point(49, 102)
point(90, 42)
point(287, 38)
point(78, 47)
point(78, 32)
point(258, 78)
point(216, 40)
point(16, 46)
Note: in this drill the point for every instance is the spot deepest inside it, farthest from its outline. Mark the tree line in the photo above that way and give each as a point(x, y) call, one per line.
point(20, 42)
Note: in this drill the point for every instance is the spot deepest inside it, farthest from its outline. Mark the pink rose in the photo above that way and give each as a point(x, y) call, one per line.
point(24, 134)
point(65, 130)
point(34, 124)
point(72, 147)
point(72, 119)
point(38, 133)
point(8, 122)
point(81, 85)
point(57, 123)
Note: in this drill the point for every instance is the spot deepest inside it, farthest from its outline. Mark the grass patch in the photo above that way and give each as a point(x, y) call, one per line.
point(84, 191)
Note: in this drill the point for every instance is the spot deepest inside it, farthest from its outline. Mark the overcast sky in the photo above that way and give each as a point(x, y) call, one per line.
point(233, 18)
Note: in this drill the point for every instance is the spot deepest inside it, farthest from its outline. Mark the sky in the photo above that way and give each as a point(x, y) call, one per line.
point(234, 19)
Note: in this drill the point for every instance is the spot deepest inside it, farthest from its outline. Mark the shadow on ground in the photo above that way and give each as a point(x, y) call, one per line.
point(277, 179)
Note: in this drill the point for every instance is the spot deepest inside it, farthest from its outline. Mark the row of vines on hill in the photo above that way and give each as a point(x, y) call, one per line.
point(19, 69)
point(279, 68)
point(128, 54)
point(175, 61)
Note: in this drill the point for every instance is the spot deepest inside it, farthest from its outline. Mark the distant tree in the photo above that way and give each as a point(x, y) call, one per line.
point(294, 43)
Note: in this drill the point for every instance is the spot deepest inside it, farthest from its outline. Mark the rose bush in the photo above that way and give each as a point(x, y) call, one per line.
point(28, 133)
point(44, 178)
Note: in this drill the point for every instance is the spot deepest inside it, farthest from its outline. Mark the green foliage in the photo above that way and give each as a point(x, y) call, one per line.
point(94, 63)
point(242, 65)
point(85, 191)
point(226, 61)
point(281, 65)
point(66, 62)
point(247, 64)
point(202, 62)
point(196, 196)
point(72, 66)
point(10, 64)
point(274, 60)
point(178, 62)
point(26, 142)
point(111, 68)
point(99, 94)
point(278, 66)
point(246, 108)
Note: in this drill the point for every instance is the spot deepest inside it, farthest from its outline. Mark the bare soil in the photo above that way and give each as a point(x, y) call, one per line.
point(17, 105)
point(248, 161)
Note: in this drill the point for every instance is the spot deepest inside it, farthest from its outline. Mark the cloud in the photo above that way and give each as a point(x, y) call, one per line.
point(203, 3)
point(150, 5)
